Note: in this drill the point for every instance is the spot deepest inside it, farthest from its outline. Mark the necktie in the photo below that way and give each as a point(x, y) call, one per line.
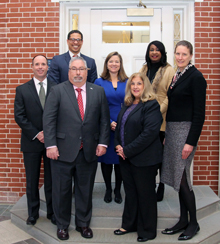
point(81, 110)
point(42, 94)
point(80, 102)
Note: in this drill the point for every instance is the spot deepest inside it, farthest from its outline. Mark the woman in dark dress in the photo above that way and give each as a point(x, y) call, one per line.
point(185, 118)
point(160, 74)
point(138, 144)
point(113, 80)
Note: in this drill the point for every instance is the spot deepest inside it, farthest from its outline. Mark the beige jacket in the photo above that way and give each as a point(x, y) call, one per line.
point(160, 86)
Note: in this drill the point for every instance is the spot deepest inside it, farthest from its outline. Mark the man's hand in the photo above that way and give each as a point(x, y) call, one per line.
point(53, 153)
point(187, 149)
point(120, 151)
point(100, 150)
point(40, 136)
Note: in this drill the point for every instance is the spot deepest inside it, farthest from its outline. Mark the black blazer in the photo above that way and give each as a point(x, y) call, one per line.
point(28, 114)
point(64, 128)
point(59, 68)
point(186, 102)
point(142, 145)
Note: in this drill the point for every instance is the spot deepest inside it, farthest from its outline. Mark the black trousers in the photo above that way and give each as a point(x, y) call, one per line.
point(84, 177)
point(32, 162)
point(140, 209)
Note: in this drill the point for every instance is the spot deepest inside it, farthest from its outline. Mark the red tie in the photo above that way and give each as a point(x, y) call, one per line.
point(81, 110)
point(80, 102)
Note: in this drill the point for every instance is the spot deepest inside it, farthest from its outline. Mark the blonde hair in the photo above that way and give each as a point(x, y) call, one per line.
point(147, 94)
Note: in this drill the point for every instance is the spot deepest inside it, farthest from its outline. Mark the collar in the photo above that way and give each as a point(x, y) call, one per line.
point(36, 81)
point(72, 54)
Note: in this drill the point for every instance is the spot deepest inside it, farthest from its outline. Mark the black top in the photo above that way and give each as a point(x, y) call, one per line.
point(152, 71)
point(187, 102)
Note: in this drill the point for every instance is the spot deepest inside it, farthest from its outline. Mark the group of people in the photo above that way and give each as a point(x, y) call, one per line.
point(136, 126)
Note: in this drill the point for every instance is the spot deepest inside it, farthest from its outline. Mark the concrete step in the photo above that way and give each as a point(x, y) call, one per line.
point(107, 217)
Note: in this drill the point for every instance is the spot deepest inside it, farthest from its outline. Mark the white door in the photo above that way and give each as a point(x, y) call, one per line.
point(133, 54)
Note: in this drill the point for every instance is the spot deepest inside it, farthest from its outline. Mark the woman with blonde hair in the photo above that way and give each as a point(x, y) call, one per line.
point(138, 144)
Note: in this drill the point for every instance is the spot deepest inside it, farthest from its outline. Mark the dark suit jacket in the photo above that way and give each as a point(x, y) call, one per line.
point(59, 68)
point(28, 114)
point(64, 127)
point(142, 145)
point(187, 102)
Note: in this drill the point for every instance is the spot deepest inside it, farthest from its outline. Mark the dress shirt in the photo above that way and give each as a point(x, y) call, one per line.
point(72, 54)
point(83, 92)
point(36, 82)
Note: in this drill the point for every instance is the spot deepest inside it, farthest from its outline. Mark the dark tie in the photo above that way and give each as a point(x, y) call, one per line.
point(42, 94)
point(81, 110)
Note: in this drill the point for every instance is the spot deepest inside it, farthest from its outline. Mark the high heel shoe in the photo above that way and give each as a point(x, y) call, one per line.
point(108, 196)
point(184, 237)
point(171, 231)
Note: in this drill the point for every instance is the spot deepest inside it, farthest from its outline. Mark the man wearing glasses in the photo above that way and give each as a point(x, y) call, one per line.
point(58, 71)
point(76, 130)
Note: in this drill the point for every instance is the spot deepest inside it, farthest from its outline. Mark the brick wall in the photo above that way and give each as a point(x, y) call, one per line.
point(29, 27)
point(207, 60)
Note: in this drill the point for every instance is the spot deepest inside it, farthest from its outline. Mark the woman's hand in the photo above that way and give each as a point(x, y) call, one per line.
point(120, 152)
point(187, 149)
point(113, 125)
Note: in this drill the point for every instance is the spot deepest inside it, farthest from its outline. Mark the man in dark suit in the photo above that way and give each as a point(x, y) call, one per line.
point(76, 128)
point(59, 67)
point(28, 111)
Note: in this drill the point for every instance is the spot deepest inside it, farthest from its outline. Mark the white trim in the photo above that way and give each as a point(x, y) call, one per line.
point(126, 2)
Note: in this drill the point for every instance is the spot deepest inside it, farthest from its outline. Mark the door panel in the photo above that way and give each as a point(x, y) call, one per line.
point(132, 53)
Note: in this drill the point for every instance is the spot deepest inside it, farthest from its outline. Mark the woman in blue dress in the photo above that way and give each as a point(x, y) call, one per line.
point(113, 80)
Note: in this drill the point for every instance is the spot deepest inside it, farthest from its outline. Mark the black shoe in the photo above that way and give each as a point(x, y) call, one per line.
point(171, 231)
point(86, 232)
point(31, 220)
point(118, 198)
point(108, 196)
point(142, 239)
point(119, 232)
point(184, 237)
point(160, 192)
point(63, 234)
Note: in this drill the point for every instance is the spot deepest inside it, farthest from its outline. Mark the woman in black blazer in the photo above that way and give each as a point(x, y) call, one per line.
point(138, 144)
point(185, 118)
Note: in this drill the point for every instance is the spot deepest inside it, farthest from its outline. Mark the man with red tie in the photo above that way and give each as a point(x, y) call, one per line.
point(76, 129)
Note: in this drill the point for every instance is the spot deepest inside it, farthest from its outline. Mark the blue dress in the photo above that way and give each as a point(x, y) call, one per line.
point(115, 101)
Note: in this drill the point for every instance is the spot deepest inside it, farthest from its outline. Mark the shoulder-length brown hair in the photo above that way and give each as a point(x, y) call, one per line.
point(121, 73)
point(147, 94)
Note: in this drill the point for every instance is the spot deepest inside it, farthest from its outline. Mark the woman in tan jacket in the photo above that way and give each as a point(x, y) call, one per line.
point(160, 75)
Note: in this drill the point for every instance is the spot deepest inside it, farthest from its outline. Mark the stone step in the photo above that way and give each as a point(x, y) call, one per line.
point(107, 217)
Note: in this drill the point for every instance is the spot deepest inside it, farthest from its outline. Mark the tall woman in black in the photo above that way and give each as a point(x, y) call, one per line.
point(185, 118)
point(160, 75)
point(138, 144)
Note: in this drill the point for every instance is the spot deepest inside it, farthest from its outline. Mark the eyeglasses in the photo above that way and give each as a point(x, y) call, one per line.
point(75, 40)
point(75, 69)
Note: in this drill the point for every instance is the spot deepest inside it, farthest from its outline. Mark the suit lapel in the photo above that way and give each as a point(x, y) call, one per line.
point(89, 97)
point(72, 96)
point(33, 91)
point(67, 58)
point(184, 76)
